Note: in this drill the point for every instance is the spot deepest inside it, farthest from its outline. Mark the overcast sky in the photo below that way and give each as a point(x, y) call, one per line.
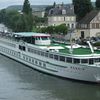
point(5, 3)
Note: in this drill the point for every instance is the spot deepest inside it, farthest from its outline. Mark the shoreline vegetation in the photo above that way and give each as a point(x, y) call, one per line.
point(25, 21)
point(18, 21)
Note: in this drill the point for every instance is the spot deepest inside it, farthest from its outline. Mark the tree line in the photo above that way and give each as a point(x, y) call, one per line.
point(59, 29)
point(24, 20)
point(18, 21)
point(83, 7)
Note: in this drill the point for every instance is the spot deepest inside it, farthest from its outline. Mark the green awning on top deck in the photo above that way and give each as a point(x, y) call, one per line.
point(31, 34)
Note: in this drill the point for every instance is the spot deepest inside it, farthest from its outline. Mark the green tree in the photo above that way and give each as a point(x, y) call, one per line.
point(11, 18)
point(16, 21)
point(50, 29)
point(18, 25)
point(44, 30)
point(82, 7)
point(27, 16)
point(26, 7)
point(97, 3)
point(2, 16)
point(61, 29)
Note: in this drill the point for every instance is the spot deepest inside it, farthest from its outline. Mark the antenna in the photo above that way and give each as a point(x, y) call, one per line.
point(90, 46)
point(71, 49)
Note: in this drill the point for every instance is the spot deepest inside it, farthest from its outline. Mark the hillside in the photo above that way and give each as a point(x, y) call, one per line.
point(34, 7)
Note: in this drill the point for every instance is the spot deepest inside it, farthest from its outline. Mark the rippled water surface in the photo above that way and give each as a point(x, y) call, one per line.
point(19, 82)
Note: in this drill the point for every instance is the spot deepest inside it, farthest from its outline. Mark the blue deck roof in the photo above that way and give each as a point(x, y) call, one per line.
point(30, 34)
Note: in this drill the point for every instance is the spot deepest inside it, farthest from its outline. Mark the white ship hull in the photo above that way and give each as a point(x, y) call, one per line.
point(51, 66)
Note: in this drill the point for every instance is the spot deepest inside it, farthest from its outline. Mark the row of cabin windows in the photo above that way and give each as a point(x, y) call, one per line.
point(34, 61)
point(42, 38)
point(11, 52)
point(64, 59)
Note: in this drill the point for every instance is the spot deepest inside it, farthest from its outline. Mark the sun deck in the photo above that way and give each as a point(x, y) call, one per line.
point(80, 51)
point(76, 51)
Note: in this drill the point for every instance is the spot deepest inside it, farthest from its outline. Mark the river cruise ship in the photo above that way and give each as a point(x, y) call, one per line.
point(39, 52)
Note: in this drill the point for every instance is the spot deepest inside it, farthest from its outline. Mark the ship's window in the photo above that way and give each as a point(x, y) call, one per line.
point(48, 38)
point(44, 65)
point(22, 47)
point(24, 57)
point(44, 38)
point(29, 50)
point(19, 55)
point(84, 60)
point(40, 63)
point(14, 53)
point(62, 58)
point(42, 53)
point(36, 62)
point(34, 51)
point(91, 61)
point(56, 57)
point(97, 60)
point(27, 58)
point(69, 60)
point(76, 61)
point(36, 38)
point(32, 60)
point(51, 55)
point(46, 54)
point(38, 52)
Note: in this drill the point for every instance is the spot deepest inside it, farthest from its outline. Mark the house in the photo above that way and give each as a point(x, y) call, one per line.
point(62, 14)
point(89, 26)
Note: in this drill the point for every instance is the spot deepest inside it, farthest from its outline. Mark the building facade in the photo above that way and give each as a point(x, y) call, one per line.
point(61, 14)
point(89, 26)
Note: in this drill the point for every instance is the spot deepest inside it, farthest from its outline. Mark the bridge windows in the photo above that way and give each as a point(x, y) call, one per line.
point(22, 48)
point(51, 55)
point(46, 54)
point(69, 60)
point(97, 60)
point(38, 52)
point(84, 60)
point(91, 61)
point(42, 53)
point(62, 58)
point(56, 57)
point(76, 61)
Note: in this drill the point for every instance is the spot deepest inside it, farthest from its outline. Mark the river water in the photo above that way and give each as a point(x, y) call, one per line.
point(19, 82)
